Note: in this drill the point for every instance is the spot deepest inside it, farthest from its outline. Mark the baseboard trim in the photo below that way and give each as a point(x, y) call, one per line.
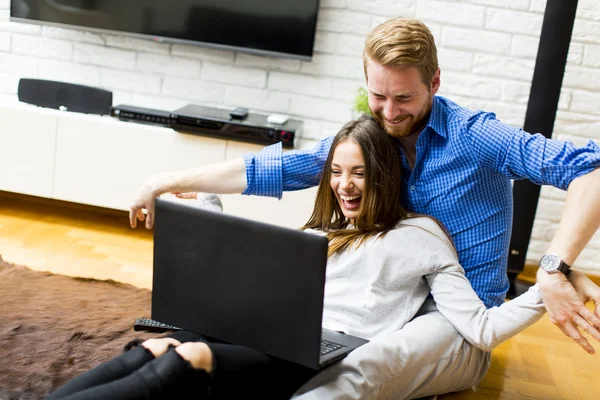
point(62, 204)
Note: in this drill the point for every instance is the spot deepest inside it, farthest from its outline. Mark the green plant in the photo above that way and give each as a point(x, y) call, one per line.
point(361, 102)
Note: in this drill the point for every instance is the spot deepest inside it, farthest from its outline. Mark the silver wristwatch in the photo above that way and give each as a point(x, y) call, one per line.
point(553, 264)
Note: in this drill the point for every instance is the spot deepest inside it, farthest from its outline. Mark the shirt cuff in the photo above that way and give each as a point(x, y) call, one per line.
point(264, 172)
point(575, 162)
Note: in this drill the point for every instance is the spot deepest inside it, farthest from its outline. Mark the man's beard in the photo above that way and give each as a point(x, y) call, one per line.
point(396, 131)
point(415, 126)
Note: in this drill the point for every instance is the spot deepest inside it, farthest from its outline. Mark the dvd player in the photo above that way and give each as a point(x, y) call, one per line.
point(218, 123)
point(141, 114)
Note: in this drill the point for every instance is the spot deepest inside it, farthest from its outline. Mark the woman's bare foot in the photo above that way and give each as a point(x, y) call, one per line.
point(198, 354)
point(158, 347)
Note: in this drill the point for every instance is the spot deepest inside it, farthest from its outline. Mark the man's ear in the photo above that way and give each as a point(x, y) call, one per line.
point(435, 82)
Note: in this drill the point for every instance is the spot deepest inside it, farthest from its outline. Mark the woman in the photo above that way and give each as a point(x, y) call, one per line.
point(383, 264)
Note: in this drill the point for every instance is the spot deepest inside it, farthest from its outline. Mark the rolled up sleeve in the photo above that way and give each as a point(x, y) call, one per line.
point(563, 162)
point(264, 172)
point(272, 171)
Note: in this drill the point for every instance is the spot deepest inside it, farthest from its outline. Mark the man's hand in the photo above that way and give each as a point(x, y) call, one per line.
point(222, 177)
point(567, 310)
point(144, 201)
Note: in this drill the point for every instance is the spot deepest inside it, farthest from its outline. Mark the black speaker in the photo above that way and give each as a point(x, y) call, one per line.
point(65, 96)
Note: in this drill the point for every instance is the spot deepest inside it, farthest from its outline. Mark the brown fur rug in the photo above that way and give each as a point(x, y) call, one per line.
point(54, 327)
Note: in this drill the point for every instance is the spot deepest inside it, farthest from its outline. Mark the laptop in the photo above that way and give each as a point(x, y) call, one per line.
point(244, 282)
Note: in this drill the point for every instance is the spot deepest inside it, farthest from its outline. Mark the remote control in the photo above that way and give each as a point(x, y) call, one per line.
point(150, 325)
point(239, 113)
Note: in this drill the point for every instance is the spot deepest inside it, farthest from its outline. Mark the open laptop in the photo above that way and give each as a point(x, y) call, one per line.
point(244, 282)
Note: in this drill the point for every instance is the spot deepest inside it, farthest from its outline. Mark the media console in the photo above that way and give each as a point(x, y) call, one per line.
point(102, 161)
point(215, 122)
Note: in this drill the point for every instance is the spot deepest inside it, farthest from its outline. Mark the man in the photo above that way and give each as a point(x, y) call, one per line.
point(457, 167)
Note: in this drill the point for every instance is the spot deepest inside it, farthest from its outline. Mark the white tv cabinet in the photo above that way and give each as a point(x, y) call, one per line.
point(101, 161)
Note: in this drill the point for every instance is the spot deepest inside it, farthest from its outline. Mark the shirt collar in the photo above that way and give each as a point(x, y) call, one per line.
point(437, 122)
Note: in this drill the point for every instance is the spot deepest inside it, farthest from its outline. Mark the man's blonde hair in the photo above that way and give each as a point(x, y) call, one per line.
point(402, 43)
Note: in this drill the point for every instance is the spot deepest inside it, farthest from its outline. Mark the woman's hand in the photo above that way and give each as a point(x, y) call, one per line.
point(187, 195)
point(586, 290)
point(566, 309)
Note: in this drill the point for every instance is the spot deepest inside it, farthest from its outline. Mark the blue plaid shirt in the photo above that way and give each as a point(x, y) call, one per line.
point(462, 176)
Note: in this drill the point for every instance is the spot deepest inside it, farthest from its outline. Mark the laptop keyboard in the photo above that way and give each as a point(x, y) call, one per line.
point(327, 347)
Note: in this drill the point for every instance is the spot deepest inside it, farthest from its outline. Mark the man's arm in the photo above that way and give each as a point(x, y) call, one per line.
point(580, 220)
point(520, 155)
point(224, 177)
point(267, 173)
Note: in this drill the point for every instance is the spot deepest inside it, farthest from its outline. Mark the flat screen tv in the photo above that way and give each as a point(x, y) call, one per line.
point(280, 28)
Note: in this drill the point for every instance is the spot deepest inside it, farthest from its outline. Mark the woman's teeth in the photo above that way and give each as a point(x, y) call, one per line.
point(351, 202)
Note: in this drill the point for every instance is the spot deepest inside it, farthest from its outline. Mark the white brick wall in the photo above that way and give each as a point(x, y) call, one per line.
point(487, 51)
point(41, 47)
point(4, 42)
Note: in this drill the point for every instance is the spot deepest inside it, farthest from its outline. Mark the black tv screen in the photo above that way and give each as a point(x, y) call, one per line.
point(281, 28)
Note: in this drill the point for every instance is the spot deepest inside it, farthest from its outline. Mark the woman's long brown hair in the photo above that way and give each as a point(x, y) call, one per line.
point(380, 209)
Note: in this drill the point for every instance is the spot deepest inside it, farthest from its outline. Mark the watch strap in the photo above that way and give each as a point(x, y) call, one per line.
point(565, 268)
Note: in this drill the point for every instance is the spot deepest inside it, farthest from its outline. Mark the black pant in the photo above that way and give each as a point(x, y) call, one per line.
point(238, 372)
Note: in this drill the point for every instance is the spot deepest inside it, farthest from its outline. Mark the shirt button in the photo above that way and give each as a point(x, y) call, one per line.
point(413, 188)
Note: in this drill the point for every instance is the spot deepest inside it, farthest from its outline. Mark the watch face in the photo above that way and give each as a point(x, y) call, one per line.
point(550, 263)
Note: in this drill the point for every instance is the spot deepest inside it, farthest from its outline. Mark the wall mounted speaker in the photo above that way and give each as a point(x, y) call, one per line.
point(65, 96)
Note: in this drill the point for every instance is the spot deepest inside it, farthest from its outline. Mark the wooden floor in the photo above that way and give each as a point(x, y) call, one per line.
point(540, 363)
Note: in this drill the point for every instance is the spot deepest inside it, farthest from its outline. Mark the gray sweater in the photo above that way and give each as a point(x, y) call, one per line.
point(380, 286)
